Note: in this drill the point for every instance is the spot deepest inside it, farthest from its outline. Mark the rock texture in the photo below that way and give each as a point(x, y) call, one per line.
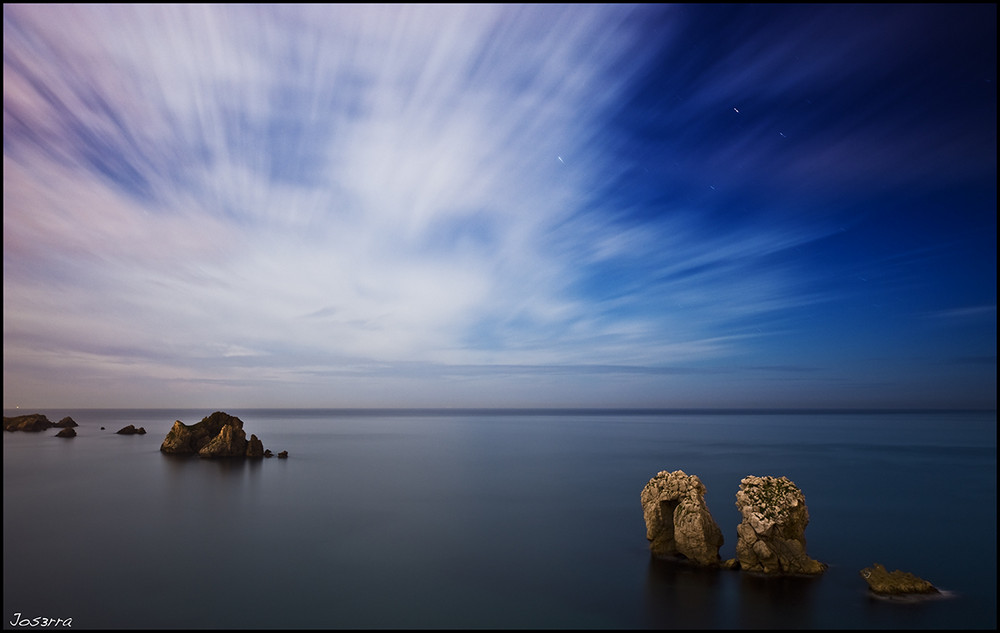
point(66, 423)
point(255, 448)
point(32, 423)
point(678, 523)
point(183, 439)
point(771, 537)
point(217, 435)
point(131, 430)
point(230, 442)
point(897, 583)
point(67, 432)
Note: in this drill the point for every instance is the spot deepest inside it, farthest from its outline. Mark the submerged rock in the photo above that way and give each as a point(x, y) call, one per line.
point(678, 522)
point(131, 430)
point(283, 455)
point(771, 537)
point(897, 583)
point(67, 432)
point(31, 423)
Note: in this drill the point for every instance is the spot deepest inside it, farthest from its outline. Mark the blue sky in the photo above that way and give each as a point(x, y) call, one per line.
point(500, 206)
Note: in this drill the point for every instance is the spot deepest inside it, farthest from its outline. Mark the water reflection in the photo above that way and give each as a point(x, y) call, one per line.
point(785, 602)
point(681, 596)
point(193, 482)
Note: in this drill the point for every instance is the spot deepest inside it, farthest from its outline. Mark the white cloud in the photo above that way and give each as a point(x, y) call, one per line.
point(154, 225)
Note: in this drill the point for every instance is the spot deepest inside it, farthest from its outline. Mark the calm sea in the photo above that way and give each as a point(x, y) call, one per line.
point(488, 519)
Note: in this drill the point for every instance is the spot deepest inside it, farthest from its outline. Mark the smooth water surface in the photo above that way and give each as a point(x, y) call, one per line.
point(488, 519)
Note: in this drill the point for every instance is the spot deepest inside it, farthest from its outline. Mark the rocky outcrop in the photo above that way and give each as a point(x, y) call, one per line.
point(66, 423)
point(67, 432)
point(230, 442)
point(771, 537)
point(678, 523)
point(255, 448)
point(217, 435)
point(32, 423)
point(183, 439)
point(131, 430)
point(897, 583)
point(283, 455)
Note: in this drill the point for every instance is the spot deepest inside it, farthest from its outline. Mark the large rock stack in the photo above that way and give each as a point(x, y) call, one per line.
point(678, 523)
point(217, 435)
point(771, 537)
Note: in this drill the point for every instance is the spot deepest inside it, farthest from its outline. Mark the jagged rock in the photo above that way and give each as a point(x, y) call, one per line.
point(771, 537)
point(131, 430)
point(230, 442)
point(255, 448)
point(184, 439)
point(678, 523)
point(66, 422)
point(268, 453)
point(67, 432)
point(897, 583)
point(32, 423)
point(283, 455)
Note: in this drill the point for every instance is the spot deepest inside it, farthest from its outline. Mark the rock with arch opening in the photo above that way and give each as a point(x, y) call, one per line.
point(679, 525)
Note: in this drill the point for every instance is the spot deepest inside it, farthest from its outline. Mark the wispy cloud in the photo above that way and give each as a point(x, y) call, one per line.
point(255, 193)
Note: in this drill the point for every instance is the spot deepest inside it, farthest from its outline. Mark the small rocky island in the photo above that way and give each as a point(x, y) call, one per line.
point(36, 422)
point(883, 583)
point(217, 435)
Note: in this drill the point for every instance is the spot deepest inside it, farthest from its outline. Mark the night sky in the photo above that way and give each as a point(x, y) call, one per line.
point(778, 206)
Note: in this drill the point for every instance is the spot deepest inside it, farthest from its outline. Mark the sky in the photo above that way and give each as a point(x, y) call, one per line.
point(594, 205)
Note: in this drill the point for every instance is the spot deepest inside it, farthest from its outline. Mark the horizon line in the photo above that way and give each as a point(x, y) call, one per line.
point(535, 409)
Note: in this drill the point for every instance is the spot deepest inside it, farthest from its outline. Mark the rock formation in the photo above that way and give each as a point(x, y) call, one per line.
point(66, 423)
point(131, 430)
point(67, 432)
point(283, 455)
point(255, 448)
point(230, 442)
point(32, 423)
point(897, 583)
point(183, 439)
point(678, 523)
point(217, 435)
point(771, 537)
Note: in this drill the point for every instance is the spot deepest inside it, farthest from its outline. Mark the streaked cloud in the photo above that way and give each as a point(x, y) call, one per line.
point(269, 197)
